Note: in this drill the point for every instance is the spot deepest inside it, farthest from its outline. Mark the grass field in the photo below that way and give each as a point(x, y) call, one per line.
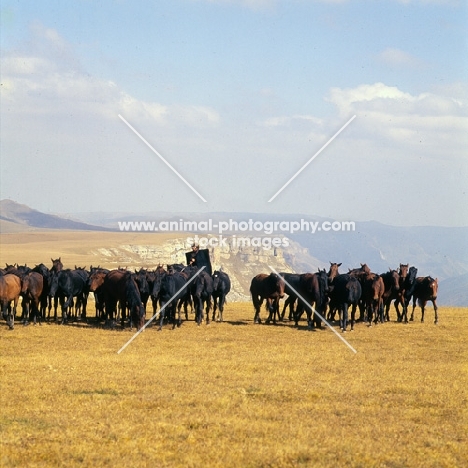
point(236, 395)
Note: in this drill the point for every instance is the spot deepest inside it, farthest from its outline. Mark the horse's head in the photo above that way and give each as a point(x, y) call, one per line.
point(96, 280)
point(216, 279)
point(394, 279)
point(433, 286)
point(277, 284)
point(333, 271)
point(57, 265)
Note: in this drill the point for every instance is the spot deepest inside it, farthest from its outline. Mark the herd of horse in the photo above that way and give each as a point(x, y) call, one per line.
point(323, 294)
point(123, 294)
point(117, 293)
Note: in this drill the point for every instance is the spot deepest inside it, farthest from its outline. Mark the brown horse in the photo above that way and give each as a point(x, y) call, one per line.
point(425, 290)
point(372, 292)
point(10, 290)
point(392, 286)
point(270, 288)
point(31, 290)
point(119, 286)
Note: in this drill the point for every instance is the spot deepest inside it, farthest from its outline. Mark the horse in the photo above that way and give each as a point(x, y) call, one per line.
point(82, 300)
point(10, 290)
point(269, 288)
point(372, 293)
point(57, 266)
point(425, 290)
point(141, 280)
point(201, 290)
point(313, 288)
point(291, 283)
point(347, 291)
point(67, 284)
point(156, 279)
point(172, 293)
point(221, 288)
point(45, 273)
point(406, 291)
point(391, 280)
point(94, 283)
point(119, 286)
point(32, 290)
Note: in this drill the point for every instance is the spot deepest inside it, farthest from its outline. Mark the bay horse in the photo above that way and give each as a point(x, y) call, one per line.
point(10, 290)
point(425, 290)
point(120, 287)
point(32, 291)
point(269, 288)
point(391, 280)
point(45, 273)
point(372, 293)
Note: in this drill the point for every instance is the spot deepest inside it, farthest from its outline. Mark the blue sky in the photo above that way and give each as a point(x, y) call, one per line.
point(238, 95)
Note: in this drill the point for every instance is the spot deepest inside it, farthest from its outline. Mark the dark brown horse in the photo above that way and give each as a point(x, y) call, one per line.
point(10, 290)
point(313, 289)
point(120, 287)
point(57, 266)
point(31, 290)
point(391, 281)
point(269, 288)
point(372, 292)
point(425, 290)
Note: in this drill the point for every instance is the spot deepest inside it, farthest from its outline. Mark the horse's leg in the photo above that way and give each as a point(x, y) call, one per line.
point(353, 314)
point(436, 318)
point(208, 308)
point(412, 312)
point(215, 307)
point(423, 305)
point(345, 317)
point(56, 304)
point(222, 300)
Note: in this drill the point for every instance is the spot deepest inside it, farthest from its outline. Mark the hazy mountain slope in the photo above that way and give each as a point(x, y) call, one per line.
point(22, 215)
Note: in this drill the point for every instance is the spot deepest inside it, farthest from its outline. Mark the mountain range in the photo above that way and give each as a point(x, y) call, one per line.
point(440, 252)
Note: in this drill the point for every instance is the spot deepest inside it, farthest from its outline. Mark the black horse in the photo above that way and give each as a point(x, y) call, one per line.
point(346, 291)
point(313, 289)
point(172, 293)
point(67, 284)
point(221, 288)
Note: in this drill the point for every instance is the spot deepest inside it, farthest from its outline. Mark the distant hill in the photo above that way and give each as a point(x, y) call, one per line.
point(453, 291)
point(14, 217)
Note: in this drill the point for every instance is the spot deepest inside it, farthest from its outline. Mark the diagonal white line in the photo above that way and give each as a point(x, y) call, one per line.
point(311, 159)
point(160, 310)
point(314, 311)
point(162, 159)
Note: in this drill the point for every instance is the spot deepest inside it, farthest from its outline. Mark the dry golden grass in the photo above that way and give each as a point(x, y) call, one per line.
point(236, 395)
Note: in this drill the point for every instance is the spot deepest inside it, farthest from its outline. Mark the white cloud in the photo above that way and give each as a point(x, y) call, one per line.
point(42, 84)
point(397, 58)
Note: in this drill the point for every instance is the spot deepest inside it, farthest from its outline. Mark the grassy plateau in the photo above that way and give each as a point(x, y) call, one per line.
point(236, 394)
point(230, 394)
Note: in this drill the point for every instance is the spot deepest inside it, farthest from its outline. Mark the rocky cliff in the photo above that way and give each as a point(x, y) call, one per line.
point(241, 263)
